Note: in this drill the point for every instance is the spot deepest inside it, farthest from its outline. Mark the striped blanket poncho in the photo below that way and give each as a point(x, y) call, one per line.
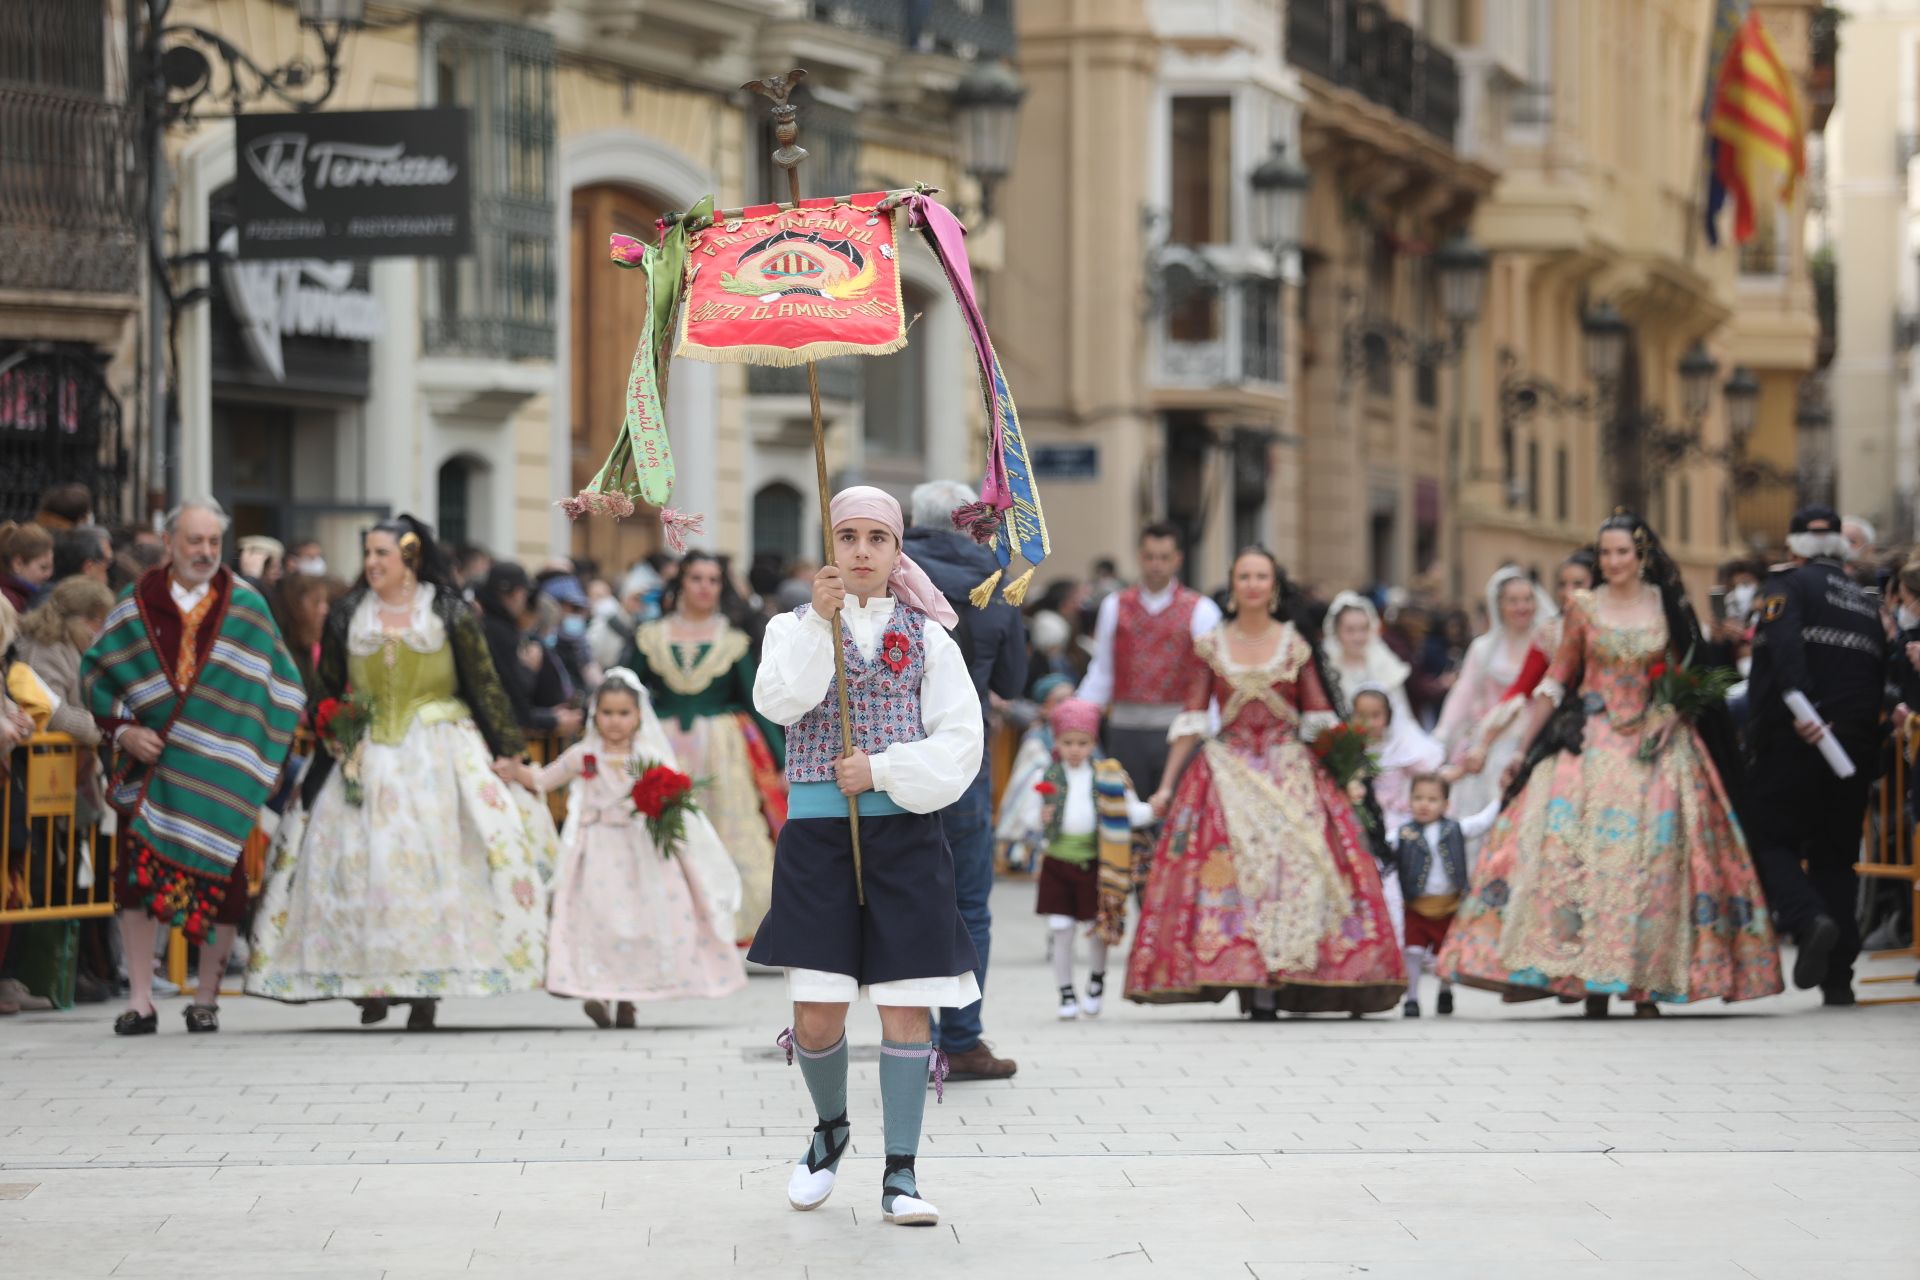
point(1114, 840)
point(227, 734)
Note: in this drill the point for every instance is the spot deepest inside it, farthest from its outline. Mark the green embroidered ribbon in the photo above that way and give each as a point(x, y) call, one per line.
point(640, 465)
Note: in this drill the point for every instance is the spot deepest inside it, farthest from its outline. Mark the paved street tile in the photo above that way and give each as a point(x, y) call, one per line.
point(1780, 1140)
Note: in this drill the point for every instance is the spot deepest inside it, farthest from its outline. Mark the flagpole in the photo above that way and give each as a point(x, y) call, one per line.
point(786, 131)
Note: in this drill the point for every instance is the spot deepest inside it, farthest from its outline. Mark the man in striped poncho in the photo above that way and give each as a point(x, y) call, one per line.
point(192, 680)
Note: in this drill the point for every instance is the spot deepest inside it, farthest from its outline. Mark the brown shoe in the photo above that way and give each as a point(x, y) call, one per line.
point(623, 1015)
point(978, 1063)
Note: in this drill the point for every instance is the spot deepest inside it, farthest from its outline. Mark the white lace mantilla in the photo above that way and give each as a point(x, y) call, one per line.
point(424, 633)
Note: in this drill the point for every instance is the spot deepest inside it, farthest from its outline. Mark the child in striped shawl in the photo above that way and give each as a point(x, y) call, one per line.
point(1087, 810)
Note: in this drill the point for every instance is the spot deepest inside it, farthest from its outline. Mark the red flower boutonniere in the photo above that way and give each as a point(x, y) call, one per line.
point(1047, 789)
point(590, 765)
point(894, 651)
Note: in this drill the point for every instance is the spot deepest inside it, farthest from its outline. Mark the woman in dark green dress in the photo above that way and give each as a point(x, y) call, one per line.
point(698, 665)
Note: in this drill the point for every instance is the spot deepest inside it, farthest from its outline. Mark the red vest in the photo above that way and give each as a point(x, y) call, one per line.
point(1152, 651)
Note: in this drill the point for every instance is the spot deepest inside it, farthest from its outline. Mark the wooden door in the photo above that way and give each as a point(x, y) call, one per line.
point(608, 309)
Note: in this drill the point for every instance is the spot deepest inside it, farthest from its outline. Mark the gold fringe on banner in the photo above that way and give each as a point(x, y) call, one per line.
point(780, 356)
point(983, 594)
point(1016, 592)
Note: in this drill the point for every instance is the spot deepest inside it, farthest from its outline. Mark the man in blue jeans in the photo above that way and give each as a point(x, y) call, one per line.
point(995, 642)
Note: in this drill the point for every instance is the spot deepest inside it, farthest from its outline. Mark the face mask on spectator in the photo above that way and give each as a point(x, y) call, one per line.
point(1740, 601)
point(312, 566)
point(1908, 617)
point(573, 626)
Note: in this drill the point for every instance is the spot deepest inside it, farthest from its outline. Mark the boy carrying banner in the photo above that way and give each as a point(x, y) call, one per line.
point(917, 736)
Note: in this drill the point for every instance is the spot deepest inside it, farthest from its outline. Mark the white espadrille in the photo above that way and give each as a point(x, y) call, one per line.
point(912, 1211)
point(809, 1188)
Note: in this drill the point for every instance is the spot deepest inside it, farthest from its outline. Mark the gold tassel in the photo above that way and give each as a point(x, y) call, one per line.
point(1016, 592)
point(982, 595)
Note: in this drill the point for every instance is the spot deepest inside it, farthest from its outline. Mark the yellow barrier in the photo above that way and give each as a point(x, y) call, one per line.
point(1890, 849)
point(67, 872)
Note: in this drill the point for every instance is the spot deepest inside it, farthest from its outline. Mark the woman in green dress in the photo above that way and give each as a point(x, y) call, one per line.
point(413, 871)
point(697, 663)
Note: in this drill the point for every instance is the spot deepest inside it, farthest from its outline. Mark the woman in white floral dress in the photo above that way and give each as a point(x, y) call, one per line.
point(432, 881)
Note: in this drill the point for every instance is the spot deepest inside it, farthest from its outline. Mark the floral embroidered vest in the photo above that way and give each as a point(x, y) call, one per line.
point(883, 693)
point(1151, 651)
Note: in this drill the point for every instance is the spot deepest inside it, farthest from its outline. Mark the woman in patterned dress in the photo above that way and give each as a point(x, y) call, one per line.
point(1262, 882)
point(1612, 873)
point(698, 666)
point(433, 881)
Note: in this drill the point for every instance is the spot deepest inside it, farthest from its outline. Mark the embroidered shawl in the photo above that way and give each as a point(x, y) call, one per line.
point(1115, 840)
point(227, 729)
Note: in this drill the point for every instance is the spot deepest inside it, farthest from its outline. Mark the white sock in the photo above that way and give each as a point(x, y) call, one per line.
point(1062, 927)
point(1416, 963)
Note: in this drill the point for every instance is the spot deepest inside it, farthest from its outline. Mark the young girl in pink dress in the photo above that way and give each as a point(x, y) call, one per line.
point(633, 922)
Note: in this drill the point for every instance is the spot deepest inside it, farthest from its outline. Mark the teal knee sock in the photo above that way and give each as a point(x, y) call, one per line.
point(825, 1071)
point(903, 1101)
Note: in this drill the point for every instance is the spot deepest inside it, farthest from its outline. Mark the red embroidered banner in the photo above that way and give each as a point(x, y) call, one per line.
point(784, 287)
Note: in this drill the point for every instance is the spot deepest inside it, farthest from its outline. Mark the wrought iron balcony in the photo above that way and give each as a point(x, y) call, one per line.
point(69, 194)
point(1216, 332)
point(966, 29)
point(1359, 45)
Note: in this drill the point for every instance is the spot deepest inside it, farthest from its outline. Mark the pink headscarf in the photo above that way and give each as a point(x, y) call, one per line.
point(908, 583)
point(1076, 715)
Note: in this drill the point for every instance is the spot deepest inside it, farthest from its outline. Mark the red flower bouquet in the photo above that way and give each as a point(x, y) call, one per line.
point(1346, 752)
point(341, 724)
point(664, 797)
point(1678, 692)
point(895, 650)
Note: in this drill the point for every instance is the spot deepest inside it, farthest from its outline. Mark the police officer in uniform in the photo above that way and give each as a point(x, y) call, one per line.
point(1820, 633)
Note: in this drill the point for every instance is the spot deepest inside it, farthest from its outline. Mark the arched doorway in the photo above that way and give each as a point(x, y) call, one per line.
point(607, 311)
point(460, 501)
point(776, 521)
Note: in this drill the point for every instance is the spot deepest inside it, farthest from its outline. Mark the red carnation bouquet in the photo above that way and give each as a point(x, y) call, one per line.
point(342, 724)
point(1680, 691)
point(664, 797)
point(1346, 752)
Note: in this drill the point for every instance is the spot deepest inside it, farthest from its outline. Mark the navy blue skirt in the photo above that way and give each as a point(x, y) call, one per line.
point(910, 926)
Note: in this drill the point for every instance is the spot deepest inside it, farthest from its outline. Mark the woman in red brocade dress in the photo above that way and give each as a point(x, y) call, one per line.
point(1262, 882)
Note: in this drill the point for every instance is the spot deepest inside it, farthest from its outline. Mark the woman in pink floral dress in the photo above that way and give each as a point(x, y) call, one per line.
point(1262, 882)
point(1620, 870)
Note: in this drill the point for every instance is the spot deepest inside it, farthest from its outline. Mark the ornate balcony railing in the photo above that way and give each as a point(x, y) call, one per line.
point(69, 194)
point(966, 29)
point(1359, 45)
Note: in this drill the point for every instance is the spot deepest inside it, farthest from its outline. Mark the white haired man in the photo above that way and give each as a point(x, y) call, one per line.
point(191, 678)
point(1820, 635)
point(994, 640)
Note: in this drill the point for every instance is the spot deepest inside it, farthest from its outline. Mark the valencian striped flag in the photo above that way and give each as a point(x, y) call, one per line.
point(1756, 126)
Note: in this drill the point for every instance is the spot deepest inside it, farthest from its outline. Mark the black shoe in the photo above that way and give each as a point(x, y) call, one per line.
point(136, 1024)
point(1597, 1006)
point(1411, 1009)
point(1816, 949)
point(372, 1011)
point(420, 1018)
point(1258, 1014)
point(1444, 1007)
point(1839, 998)
point(202, 1018)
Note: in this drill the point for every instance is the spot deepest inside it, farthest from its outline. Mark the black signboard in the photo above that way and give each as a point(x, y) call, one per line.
point(354, 184)
point(1065, 461)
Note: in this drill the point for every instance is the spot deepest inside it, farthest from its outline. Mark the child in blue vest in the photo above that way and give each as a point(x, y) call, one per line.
point(1430, 855)
point(917, 735)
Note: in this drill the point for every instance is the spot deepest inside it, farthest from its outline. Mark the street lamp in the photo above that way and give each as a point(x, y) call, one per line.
point(186, 72)
point(1279, 199)
point(1742, 394)
point(1460, 271)
point(1697, 371)
point(1606, 335)
point(987, 106)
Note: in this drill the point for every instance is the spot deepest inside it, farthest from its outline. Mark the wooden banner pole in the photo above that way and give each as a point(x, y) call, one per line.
point(786, 131)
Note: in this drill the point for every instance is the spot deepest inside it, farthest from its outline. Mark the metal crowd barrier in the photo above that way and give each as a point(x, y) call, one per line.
point(1888, 850)
point(63, 868)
